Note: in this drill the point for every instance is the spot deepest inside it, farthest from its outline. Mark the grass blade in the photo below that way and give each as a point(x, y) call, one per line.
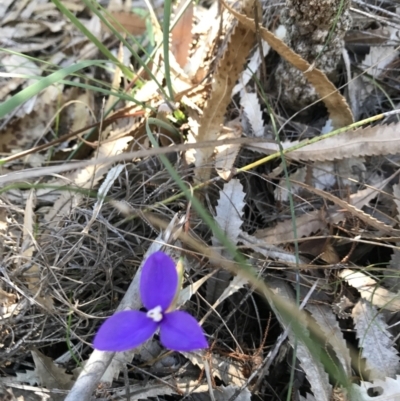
point(32, 90)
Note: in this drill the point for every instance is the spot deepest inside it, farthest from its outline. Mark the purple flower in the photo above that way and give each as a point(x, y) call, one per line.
point(179, 331)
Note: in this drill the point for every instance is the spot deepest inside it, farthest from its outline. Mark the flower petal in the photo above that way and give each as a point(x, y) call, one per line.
point(158, 281)
point(124, 330)
point(180, 331)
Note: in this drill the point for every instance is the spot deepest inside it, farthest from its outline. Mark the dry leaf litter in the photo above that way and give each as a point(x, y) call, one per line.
point(250, 80)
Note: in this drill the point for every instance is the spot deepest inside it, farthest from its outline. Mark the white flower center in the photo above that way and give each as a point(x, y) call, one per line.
point(155, 314)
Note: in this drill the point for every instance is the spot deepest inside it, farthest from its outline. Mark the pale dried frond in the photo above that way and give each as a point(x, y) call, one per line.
point(226, 155)
point(313, 369)
point(370, 291)
point(253, 112)
point(371, 141)
point(252, 67)
point(229, 68)
point(229, 212)
point(376, 342)
point(327, 322)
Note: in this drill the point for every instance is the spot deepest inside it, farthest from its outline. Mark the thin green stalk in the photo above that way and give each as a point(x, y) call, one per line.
point(32, 90)
point(24, 185)
point(294, 226)
point(68, 341)
point(296, 245)
point(107, 92)
point(94, 7)
point(56, 127)
point(194, 201)
point(166, 23)
point(317, 139)
point(96, 87)
point(127, 72)
point(332, 30)
point(380, 87)
point(8, 51)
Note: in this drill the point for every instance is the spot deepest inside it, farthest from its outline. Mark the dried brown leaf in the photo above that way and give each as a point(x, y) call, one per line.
point(25, 29)
point(363, 197)
point(222, 393)
point(252, 66)
point(207, 31)
point(50, 375)
point(396, 193)
point(283, 232)
point(46, 374)
point(153, 389)
point(116, 80)
point(379, 57)
point(392, 272)
point(186, 293)
point(127, 21)
point(339, 111)
point(308, 397)
point(224, 80)
point(24, 131)
point(183, 386)
point(81, 113)
point(181, 35)
point(4, 6)
point(237, 283)
point(368, 219)
point(269, 251)
point(282, 192)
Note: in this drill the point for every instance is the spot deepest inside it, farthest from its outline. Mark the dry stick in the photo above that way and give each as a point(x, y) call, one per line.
point(378, 10)
point(209, 380)
point(70, 135)
point(24, 175)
